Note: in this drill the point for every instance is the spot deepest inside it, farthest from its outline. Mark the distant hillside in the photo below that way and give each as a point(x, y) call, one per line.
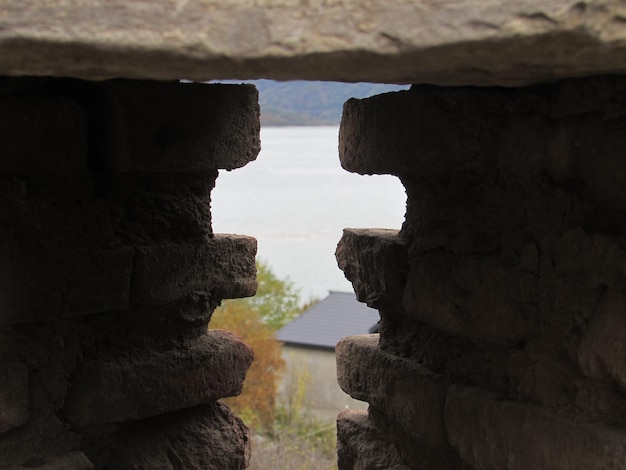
point(302, 103)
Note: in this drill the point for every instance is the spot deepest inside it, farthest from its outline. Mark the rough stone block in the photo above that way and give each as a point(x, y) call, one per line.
point(159, 208)
point(478, 297)
point(73, 461)
point(602, 350)
point(146, 383)
point(42, 134)
point(14, 402)
point(204, 437)
point(492, 434)
point(179, 127)
point(44, 438)
point(375, 261)
point(63, 285)
point(362, 445)
point(423, 133)
point(223, 267)
point(410, 397)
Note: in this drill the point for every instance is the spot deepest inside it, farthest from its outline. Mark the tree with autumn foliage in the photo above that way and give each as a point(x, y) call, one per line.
point(256, 319)
point(257, 401)
point(277, 301)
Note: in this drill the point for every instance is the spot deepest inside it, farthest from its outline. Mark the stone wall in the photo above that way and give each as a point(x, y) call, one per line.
point(110, 271)
point(503, 297)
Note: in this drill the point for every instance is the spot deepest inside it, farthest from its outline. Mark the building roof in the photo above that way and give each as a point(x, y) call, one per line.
point(329, 320)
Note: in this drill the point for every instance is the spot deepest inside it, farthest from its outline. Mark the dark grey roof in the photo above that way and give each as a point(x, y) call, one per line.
point(329, 320)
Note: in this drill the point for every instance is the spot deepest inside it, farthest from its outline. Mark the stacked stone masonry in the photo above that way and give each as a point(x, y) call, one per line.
point(110, 271)
point(502, 339)
point(502, 299)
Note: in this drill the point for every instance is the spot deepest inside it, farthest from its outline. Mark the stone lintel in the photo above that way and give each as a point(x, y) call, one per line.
point(398, 41)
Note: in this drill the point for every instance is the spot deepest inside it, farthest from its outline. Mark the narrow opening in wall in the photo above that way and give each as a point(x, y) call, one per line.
point(295, 199)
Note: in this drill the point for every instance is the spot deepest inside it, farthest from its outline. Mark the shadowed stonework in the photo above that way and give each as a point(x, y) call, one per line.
point(502, 299)
point(110, 272)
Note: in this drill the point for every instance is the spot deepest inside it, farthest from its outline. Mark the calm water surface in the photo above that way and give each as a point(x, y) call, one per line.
point(295, 199)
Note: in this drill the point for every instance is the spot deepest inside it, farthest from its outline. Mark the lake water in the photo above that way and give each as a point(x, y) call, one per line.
point(295, 199)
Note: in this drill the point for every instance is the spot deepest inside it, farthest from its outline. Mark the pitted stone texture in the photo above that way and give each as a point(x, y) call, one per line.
point(492, 434)
point(223, 267)
point(42, 135)
point(14, 401)
point(157, 208)
point(410, 397)
point(362, 445)
point(147, 383)
point(426, 132)
point(205, 437)
point(375, 261)
point(449, 137)
point(478, 297)
point(498, 183)
point(602, 352)
point(178, 127)
point(72, 461)
point(398, 41)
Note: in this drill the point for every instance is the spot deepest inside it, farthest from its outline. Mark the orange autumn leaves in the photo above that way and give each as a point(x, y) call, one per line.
point(256, 404)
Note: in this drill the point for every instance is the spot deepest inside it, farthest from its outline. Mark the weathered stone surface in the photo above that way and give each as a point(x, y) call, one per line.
point(426, 132)
point(477, 297)
point(492, 434)
point(494, 179)
point(72, 461)
point(42, 135)
point(38, 288)
point(602, 352)
point(178, 127)
point(477, 43)
point(410, 397)
point(99, 181)
point(160, 208)
point(514, 236)
point(14, 402)
point(205, 437)
point(223, 267)
point(147, 383)
point(374, 260)
point(362, 445)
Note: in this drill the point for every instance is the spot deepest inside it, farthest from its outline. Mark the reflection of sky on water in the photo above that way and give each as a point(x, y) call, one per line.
point(296, 199)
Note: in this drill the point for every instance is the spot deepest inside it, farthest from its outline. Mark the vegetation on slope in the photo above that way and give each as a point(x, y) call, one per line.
point(304, 103)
